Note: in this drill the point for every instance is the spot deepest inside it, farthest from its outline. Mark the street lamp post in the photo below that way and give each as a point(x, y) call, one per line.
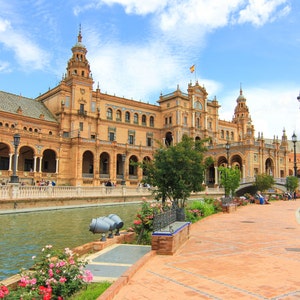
point(123, 182)
point(14, 178)
point(227, 146)
point(294, 139)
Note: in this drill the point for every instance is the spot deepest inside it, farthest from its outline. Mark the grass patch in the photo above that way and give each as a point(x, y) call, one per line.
point(92, 292)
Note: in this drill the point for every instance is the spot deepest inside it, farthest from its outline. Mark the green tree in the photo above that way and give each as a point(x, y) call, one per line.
point(176, 171)
point(263, 182)
point(229, 179)
point(291, 183)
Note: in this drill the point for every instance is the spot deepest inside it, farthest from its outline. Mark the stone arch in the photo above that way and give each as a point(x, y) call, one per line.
point(104, 165)
point(269, 166)
point(133, 169)
point(26, 159)
point(145, 160)
point(87, 164)
point(49, 161)
point(4, 156)
point(169, 138)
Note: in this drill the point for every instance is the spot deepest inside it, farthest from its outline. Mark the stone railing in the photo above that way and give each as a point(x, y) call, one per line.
point(16, 191)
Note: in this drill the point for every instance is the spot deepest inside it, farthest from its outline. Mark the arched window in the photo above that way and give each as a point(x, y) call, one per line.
point(127, 117)
point(144, 120)
point(118, 115)
point(109, 114)
point(152, 121)
point(136, 119)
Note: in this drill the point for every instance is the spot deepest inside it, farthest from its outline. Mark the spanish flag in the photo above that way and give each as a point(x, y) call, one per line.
point(192, 68)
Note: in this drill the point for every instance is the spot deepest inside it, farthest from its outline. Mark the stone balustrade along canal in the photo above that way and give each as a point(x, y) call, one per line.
point(16, 196)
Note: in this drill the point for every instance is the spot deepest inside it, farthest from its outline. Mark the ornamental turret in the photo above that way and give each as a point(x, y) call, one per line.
point(242, 118)
point(78, 65)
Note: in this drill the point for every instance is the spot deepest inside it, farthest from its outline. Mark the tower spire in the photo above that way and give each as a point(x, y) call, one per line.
point(79, 38)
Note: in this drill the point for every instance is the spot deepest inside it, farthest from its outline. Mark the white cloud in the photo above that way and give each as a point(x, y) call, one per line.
point(188, 21)
point(137, 7)
point(4, 66)
point(27, 53)
point(259, 12)
point(272, 109)
point(133, 71)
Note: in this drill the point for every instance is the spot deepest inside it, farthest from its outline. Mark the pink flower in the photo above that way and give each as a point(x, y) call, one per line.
point(60, 264)
point(50, 272)
point(51, 266)
point(71, 261)
point(62, 279)
point(88, 276)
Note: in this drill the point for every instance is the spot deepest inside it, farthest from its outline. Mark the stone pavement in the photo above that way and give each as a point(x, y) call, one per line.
point(251, 253)
point(110, 263)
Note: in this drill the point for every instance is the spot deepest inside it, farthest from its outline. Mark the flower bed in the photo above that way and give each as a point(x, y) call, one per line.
point(55, 275)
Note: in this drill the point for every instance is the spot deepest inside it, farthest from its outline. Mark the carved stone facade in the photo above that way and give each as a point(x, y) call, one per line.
point(75, 135)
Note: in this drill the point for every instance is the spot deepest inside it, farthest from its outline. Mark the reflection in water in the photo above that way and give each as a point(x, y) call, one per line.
point(23, 235)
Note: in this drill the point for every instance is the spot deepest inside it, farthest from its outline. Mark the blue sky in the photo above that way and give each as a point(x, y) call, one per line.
point(139, 49)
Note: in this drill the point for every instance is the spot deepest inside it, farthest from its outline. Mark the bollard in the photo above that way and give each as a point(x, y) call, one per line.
point(99, 226)
point(118, 221)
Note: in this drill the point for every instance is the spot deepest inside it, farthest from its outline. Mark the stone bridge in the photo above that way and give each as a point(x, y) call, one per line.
point(279, 183)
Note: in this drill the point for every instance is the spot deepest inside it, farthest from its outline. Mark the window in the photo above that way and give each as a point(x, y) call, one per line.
point(131, 140)
point(118, 115)
point(67, 101)
point(93, 106)
point(127, 117)
point(149, 142)
point(81, 108)
point(144, 120)
point(131, 137)
point(111, 136)
point(81, 126)
point(184, 120)
point(136, 119)
point(198, 122)
point(170, 120)
point(109, 114)
point(222, 134)
point(166, 121)
point(152, 121)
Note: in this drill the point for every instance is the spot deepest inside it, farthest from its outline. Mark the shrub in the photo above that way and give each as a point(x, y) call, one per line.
point(143, 224)
point(199, 209)
point(55, 275)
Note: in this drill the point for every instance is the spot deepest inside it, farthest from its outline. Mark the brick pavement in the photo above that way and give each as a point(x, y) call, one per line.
point(251, 253)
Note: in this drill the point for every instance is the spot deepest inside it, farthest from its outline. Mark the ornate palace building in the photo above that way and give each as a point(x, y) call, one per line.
point(75, 135)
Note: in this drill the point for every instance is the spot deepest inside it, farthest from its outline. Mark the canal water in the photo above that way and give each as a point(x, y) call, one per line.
point(23, 235)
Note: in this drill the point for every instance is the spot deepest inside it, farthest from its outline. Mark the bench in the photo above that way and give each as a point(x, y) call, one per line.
point(169, 233)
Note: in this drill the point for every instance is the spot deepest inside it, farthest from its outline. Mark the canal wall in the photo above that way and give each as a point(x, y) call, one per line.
point(27, 197)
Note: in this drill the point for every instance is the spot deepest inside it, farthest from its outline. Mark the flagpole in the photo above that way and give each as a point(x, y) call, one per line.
point(193, 70)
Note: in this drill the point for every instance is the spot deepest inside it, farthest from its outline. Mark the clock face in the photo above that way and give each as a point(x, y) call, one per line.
point(198, 105)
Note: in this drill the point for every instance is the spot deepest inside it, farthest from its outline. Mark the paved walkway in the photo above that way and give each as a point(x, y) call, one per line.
point(252, 253)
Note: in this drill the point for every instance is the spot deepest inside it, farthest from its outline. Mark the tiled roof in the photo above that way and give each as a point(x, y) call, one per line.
point(30, 107)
